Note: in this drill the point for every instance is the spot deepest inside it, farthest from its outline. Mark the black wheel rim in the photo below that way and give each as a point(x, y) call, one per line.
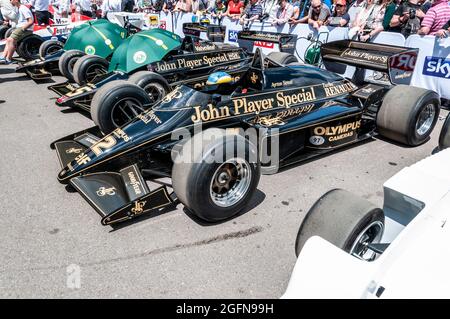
point(125, 110)
point(31, 47)
point(155, 92)
point(93, 71)
point(71, 64)
point(52, 49)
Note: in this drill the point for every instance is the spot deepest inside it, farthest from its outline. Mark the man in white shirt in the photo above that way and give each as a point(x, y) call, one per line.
point(24, 28)
point(83, 7)
point(8, 12)
point(62, 7)
point(41, 11)
point(111, 6)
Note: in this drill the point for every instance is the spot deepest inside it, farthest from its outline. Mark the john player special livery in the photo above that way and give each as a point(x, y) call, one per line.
point(270, 117)
point(190, 64)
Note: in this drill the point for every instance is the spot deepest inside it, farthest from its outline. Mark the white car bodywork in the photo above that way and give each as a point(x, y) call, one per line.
point(417, 262)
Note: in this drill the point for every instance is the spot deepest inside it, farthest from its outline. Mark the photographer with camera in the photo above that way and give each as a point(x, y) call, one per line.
point(407, 18)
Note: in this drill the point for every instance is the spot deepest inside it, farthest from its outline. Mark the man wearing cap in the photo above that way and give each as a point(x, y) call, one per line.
point(339, 17)
point(284, 12)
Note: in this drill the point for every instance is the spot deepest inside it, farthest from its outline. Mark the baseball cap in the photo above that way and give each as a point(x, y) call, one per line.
point(341, 2)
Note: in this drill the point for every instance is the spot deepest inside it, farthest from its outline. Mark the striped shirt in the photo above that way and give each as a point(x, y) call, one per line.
point(437, 16)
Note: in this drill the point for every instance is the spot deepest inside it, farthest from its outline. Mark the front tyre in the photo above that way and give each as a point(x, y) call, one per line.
point(152, 83)
point(444, 137)
point(67, 62)
point(408, 114)
point(88, 67)
point(49, 47)
point(116, 103)
point(28, 47)
point(346, 221)
point(214, 174)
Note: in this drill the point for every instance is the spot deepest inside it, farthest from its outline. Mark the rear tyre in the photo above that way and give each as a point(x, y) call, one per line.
point(346, 221)
point(444, 137)
point(152, 83)
point(28, 47)
point(88, 67)
point(49, 47)
point(282, 58)
point(215, 188)
point(408, 114)
point(67, 62)
point(116, 103)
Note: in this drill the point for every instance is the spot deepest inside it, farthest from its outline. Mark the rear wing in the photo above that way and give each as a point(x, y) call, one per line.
point(285, 41)
point(397, 62)
point(215, 33)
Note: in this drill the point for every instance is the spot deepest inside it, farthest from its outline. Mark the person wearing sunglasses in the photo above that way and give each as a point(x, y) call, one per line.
point(339, 17)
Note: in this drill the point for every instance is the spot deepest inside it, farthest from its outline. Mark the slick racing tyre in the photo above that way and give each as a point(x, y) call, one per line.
point(408, 114)
point(215, 187)
point(28, 47)
point(282, 58)
point(346, 221)
point(3, 30)
point(117, 103)
point(153, 84)
point(88, 67)
point(444, 137)
point(49, 47)
point(67, 62)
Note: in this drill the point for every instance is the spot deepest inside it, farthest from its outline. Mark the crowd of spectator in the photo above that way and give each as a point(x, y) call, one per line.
point(364, 18)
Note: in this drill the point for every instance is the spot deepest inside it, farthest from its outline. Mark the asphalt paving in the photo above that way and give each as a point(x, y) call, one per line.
point(52, 244)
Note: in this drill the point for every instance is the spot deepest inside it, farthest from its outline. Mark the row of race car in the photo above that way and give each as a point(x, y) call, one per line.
point(213, 117)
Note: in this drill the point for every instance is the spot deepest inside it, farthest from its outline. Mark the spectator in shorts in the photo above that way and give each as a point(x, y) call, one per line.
point(339, 17)
point(24, 28)
point(407, 18)
point(41, 11)
point(235, 9)
point(284, 12)
point(435, 18)
point(251, 13)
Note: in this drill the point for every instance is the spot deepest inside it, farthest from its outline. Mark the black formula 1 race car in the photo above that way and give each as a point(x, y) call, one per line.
point(190, 65)
point(271, 117)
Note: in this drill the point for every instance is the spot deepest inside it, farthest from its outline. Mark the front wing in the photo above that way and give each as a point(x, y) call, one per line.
point(116, 196)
